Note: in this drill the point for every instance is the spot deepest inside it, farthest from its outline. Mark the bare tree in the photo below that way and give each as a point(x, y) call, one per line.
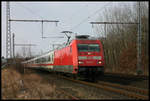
point(121, 39)
point(24, 51)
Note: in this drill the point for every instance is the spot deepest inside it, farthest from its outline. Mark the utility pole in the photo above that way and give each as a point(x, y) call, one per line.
point(8, 32)
point(13, 45)
point(139, 69)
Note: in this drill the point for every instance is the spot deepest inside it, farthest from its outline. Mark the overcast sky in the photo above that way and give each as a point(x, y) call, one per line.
point(73, 16)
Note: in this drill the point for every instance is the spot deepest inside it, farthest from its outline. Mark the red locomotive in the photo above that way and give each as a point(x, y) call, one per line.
point(82, 56)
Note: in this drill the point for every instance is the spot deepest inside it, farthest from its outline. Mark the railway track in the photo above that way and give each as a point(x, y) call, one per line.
point(144, 77)
point(131, 92)
point(128, 88)
point(4, 65)
point(128, 91)
point(68, 94)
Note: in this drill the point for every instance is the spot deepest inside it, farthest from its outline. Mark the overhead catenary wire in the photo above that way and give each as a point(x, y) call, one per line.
point(34, 20)
point(77, 11)
point(31, 11)
point(89, 16)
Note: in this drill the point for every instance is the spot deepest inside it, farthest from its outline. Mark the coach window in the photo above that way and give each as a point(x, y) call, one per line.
point(43, 59)
point(39, 61)
point(70, 49)
point(52, 57)
point(49, 58)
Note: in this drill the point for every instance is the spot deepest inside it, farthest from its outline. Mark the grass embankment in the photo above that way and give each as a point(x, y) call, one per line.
point(19, 85)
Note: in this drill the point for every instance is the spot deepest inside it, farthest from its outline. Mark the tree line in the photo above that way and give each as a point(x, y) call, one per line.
point(120, 41)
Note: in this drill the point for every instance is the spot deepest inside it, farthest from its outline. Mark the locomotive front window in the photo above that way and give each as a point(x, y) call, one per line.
point(88, 47)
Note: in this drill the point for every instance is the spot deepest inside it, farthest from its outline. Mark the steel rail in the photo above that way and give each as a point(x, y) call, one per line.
point(68, 94)
point(122, 92)
point(5, 65)
point(130, 88)
point(127, 75)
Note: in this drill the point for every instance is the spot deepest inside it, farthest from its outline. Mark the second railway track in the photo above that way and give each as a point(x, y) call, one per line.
point(131, 92)
point(128, 88)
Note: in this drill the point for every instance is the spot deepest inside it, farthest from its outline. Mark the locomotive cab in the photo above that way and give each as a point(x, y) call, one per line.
point(90, 57)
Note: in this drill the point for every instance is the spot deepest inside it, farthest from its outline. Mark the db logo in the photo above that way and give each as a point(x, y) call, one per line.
point(89, 53)
point(89, 57)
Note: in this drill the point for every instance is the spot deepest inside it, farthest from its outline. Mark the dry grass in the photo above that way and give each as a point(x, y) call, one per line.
point(16, 85)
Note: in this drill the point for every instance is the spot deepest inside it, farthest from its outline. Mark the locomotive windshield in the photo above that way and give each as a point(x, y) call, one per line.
point(88, 47)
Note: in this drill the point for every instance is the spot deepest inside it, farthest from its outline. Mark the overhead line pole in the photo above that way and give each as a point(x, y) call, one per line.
point(42, 29)
point(112, 23)
point(139, 69)
point(42, 21)
point(8, 32)
point(13, 45)
point(19, 45)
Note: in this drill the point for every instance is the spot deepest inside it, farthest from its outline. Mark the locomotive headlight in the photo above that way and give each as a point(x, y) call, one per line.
point(82, 57)
point(97, 57)
point(99, 62)
point(80, 62)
